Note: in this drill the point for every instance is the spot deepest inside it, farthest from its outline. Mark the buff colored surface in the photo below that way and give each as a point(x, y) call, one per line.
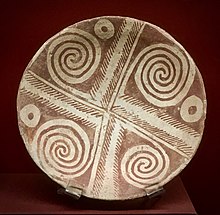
point(113, 106)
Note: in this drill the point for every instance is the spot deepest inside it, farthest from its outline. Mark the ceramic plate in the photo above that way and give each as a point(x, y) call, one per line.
point(111, 106)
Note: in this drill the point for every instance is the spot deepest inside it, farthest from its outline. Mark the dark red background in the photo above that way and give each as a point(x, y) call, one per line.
point(26, 25)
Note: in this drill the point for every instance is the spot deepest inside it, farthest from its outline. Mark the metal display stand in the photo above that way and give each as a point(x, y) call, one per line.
point(36, 193)
point(146, 201)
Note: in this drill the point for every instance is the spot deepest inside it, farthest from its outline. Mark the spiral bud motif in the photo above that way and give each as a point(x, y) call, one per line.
point(62, 148)
point(164, 74)
point(142, 165)
point(73, 57)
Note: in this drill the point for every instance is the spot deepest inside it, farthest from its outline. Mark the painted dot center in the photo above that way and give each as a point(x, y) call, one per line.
point(30, 116)
point(192, 110)
point(104, 29)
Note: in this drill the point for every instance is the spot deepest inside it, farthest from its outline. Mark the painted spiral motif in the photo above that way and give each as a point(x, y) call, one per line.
point(142, 165)
point(164, 74)
point(73, 57)
point(62, 147)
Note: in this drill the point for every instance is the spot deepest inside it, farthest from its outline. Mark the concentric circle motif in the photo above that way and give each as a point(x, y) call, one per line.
point(61, 147)
point(164, 74)
point(73, 57)
point(143, 165)
point(104, 29)
point(30, 115)
point(192, 109)
point(112, 106)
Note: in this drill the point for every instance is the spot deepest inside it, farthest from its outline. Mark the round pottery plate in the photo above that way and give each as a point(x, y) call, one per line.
point(113, 107)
